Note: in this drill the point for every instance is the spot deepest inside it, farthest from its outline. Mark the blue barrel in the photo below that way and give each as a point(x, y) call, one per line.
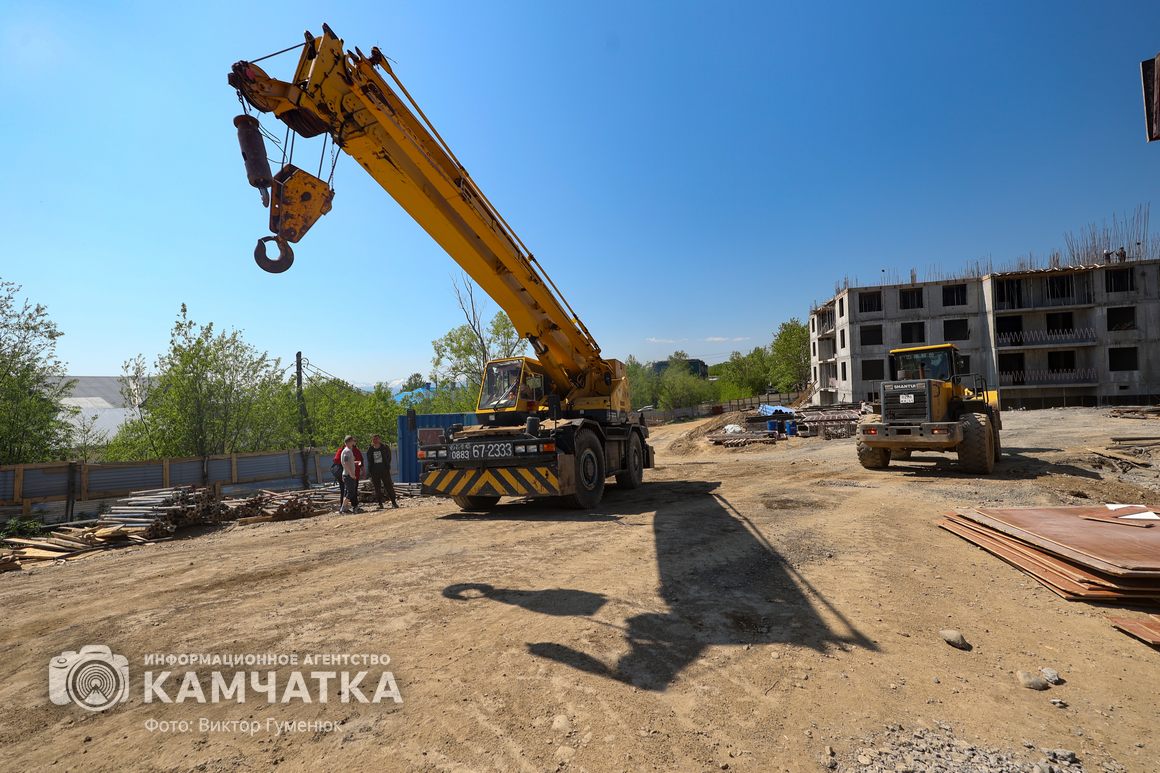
point(791, 428)
point(771, 426)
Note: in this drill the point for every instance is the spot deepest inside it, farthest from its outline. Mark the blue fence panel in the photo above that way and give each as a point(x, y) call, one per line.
point(409, 467)
point(266, 466)
point(45, 482)
point(220, 471)
point(185, 473)
point(113, 480)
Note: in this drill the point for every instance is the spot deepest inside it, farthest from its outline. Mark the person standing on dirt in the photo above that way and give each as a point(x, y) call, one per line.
point(350, 475)
point(379, 468)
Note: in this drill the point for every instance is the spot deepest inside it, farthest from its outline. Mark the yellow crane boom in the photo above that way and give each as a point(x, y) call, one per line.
point(345, 95)
point(577, 428)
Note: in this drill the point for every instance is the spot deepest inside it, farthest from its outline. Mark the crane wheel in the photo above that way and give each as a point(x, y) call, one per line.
point(634, 475)
point(276, 265)
point(589, 475)
point(977, 451)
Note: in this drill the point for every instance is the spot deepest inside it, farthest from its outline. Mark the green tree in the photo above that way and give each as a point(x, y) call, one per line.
point(463, 352)
point(34, 423)
point(643, 383)
point(212, 393)
point(790, 356)
point(413, 381)
point(679, 388)
point(338, 409)
point(745, 375)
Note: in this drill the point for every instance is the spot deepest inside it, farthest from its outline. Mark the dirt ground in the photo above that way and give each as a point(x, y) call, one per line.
point(743, 610)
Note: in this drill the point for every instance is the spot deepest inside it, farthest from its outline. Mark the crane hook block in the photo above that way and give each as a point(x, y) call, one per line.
point(276, 265)
point(254, 155)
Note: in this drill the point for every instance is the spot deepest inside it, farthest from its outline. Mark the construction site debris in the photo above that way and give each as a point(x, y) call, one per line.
point(1079, 553)
point(1135, 412)
point(829, 422)
point(157, 514)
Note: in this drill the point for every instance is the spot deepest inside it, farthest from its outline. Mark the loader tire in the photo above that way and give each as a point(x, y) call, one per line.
point(872, 458)
point(475, 503)
point(977, 451)
point(634, 475)
point(589, 472)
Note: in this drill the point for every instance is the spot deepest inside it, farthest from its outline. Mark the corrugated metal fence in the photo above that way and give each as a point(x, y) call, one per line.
point(24, 485)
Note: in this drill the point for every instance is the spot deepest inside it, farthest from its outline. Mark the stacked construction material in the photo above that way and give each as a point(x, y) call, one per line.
point(266, 506)
point(1089, 553)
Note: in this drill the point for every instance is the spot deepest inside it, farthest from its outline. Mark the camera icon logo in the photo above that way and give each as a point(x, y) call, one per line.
point(94, 678)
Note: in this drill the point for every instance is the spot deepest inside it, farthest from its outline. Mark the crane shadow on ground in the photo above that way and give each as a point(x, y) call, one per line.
point(721, 582)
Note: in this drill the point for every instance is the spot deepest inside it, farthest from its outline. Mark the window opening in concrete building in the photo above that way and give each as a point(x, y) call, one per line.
point(1119, 280)
point(814, 344)
point(1061, 361)
point(1122, 358)
point(913, 332)
point(1122, 318)
point(955, 295)
point(1060, 322)
point(843, 371)
point(1009, 293)
point(842, 339)
point(873, 370)
point(870, 301)
point(813, 325)
point(1011, 369)
point(1060, 288)
point(1009, 330)
point(870, 335)
point(956, 330)
point(910, 299)
point(841, 307)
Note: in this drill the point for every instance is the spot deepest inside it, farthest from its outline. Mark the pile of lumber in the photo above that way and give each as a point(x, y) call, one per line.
point(268, 506)
point(741, 439)
point(1086, 553)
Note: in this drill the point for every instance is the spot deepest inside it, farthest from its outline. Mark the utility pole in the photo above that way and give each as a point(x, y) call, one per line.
point(303, 440)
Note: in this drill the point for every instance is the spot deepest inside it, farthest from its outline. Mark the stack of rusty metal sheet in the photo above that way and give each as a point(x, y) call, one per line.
point(1089, 553)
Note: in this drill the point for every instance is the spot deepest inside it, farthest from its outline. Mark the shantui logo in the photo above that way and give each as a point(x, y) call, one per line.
point(94, 678)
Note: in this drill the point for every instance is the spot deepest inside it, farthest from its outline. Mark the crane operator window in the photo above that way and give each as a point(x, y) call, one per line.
point(923, 365)
point(501, 385)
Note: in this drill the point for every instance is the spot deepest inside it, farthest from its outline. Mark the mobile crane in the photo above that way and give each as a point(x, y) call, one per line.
point(556, 425)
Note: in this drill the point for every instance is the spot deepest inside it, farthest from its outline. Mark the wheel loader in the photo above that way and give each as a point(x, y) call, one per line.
point(931, 404)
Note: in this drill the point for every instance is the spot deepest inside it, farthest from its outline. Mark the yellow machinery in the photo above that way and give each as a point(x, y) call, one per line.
point(931, 404)
point(557, 425)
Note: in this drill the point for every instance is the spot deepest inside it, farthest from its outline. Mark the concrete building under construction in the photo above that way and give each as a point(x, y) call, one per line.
point(1065, 335)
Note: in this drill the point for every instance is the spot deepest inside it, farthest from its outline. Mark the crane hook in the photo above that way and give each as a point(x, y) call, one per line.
point(276, 265)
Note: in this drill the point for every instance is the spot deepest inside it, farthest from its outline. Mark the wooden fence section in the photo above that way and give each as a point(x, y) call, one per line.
point(24, 485)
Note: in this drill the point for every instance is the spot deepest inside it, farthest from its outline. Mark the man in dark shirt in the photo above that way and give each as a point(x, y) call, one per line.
point(379, 465)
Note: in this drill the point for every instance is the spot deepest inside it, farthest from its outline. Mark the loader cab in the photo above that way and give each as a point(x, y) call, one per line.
point(511, 385)
point(938, 363)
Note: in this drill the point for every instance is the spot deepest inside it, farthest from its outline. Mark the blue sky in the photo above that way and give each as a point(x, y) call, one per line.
point(690, 174)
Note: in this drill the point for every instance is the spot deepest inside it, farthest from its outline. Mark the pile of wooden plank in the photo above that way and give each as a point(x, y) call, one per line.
point(284, 506)
point(1088, 553)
